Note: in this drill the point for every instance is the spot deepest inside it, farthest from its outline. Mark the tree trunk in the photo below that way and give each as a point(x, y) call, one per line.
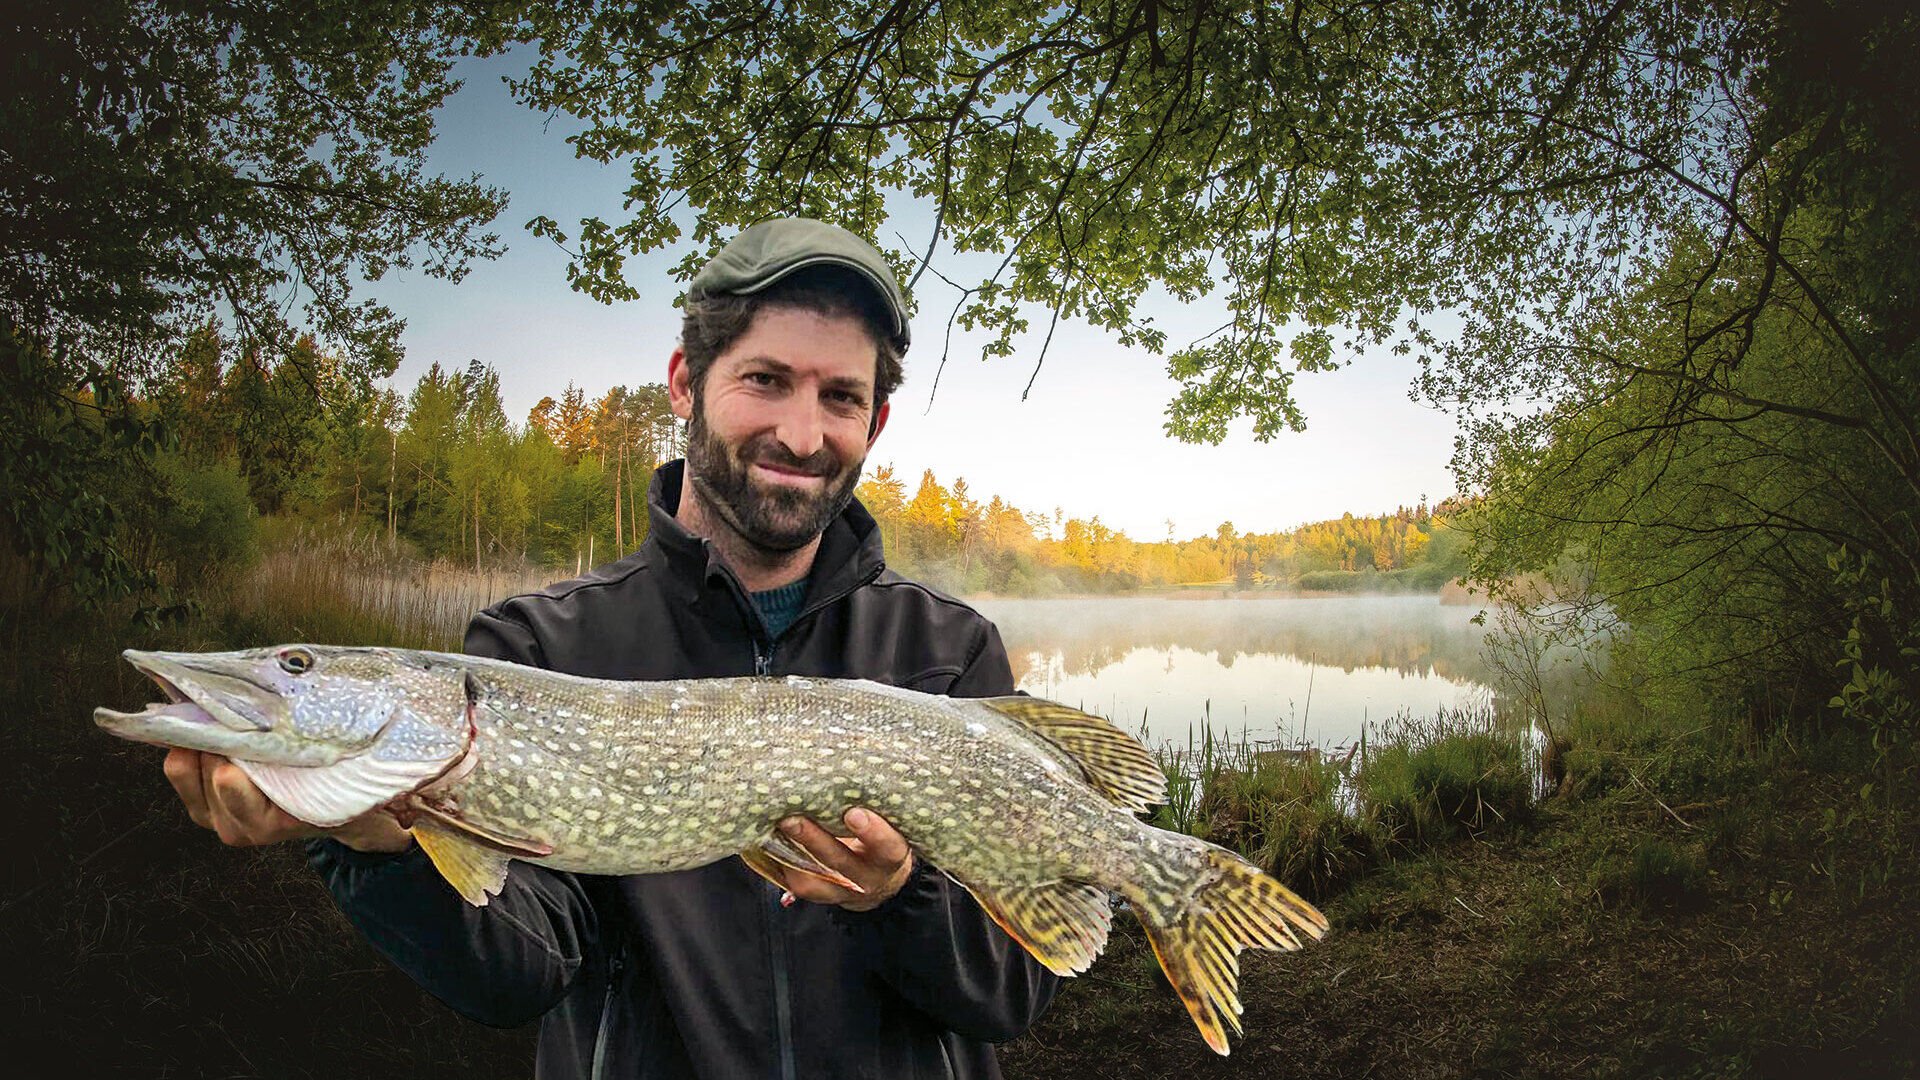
point(393, 466)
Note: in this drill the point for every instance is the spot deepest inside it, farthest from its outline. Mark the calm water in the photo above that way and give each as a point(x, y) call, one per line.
point(1279, 668)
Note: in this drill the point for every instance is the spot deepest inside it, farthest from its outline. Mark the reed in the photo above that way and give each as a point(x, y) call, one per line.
point(336, 589)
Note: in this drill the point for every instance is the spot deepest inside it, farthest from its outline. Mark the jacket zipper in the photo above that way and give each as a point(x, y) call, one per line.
point(606, 1015)
point(782, 1006)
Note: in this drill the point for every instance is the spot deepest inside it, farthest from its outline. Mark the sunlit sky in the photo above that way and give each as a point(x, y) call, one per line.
point(1088, 439)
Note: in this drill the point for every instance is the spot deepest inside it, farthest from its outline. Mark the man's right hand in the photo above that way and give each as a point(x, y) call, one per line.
point(220, 796)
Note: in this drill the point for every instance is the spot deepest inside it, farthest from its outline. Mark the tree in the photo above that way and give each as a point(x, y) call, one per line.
point(1341, 169)
point(167, 165)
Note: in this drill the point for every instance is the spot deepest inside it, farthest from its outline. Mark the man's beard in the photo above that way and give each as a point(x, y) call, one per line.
point(779, 519)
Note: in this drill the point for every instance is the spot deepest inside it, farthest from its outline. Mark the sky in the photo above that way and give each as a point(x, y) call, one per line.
point(1087, 440)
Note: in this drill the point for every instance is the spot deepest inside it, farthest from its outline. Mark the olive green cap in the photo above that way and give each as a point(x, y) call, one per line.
point(770, 250)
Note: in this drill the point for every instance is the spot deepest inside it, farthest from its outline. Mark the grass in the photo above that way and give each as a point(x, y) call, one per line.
point(1459, 771)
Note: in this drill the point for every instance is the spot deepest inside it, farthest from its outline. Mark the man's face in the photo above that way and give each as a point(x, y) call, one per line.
point(781, 426)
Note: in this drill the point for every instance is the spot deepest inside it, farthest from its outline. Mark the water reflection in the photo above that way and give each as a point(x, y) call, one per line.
point(1278, 668)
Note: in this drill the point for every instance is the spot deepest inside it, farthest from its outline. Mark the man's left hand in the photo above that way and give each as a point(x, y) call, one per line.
point(876, 858)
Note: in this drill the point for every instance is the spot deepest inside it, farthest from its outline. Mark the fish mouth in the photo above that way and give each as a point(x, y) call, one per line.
point(204, 710)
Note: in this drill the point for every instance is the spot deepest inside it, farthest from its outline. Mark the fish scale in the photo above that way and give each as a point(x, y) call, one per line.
point(1031, 806)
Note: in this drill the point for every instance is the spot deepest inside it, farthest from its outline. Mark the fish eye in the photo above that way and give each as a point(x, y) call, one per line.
point(296, 661)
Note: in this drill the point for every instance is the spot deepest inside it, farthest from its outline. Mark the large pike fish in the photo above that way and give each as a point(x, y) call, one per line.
point(1029, 805)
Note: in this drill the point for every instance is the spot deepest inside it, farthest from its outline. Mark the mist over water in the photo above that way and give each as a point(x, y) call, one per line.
point(1284, 668)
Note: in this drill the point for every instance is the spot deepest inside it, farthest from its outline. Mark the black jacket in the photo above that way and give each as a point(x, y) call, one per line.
point(702, 973)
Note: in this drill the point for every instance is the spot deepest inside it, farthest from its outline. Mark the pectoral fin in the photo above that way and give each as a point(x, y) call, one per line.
point(777, 852)
point(472, 859)
point(476, 872)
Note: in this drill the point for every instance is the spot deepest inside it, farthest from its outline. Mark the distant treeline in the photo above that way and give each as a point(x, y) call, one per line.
point(948, 537)
point(440, 473)
point(443, 473)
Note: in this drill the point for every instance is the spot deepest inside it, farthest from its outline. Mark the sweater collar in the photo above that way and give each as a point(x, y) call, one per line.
point(850, 552)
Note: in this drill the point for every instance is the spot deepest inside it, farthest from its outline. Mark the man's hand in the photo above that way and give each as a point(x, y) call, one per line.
point(876, 857)
point(219, 796)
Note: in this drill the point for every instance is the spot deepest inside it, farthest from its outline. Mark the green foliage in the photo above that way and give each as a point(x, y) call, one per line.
point(1880, 655)
point(207, 522)
point(165, 157)
point(167, 164)
point(1096, 153)
point(1726, 460)
point(1458, 771)
point(64, 437)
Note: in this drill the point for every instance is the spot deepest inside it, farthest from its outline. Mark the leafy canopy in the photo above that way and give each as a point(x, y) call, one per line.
point(1340, 171)
point(166, 165)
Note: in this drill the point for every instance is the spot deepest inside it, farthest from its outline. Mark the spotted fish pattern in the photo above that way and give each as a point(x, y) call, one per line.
point(1031, 806)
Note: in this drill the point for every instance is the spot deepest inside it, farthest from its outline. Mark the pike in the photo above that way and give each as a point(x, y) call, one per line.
point(1030, 805)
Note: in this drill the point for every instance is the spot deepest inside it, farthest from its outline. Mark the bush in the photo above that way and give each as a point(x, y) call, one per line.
point(206, 519)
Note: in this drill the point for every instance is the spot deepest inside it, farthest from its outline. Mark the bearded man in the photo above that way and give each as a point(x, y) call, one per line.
point(758, 561)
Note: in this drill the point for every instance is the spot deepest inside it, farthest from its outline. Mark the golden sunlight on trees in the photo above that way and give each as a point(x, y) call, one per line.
point(944, 536)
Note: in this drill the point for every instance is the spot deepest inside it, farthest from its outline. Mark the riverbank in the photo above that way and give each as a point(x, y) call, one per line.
point(1682, 909)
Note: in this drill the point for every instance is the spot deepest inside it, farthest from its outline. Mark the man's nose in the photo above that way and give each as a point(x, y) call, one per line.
point(802, 429)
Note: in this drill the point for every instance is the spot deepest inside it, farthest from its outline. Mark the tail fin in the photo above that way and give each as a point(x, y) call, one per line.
point(1235, 906)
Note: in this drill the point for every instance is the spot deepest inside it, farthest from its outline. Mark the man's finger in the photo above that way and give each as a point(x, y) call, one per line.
point(182, 769)
point(248, 815)
point(880, 842)
point(235, 794)
point(827, 848)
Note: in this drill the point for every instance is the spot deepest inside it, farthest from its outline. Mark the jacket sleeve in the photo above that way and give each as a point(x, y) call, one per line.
point(504, 964)
point(938, 949)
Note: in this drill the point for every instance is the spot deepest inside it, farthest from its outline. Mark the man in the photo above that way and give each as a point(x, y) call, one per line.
point(758, 561)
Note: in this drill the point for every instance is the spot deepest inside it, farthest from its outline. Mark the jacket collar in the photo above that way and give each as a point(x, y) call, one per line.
point(850, 551)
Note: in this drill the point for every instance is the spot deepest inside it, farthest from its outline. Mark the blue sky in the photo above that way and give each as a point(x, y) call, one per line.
point(1087, 440)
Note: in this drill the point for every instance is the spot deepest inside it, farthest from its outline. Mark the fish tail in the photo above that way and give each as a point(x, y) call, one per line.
point(1197, 929)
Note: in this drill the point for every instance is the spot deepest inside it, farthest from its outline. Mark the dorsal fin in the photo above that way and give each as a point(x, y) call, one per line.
point(1115, 763)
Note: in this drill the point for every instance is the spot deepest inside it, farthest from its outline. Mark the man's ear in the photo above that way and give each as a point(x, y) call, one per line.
point(879, 422)
point(680, 385)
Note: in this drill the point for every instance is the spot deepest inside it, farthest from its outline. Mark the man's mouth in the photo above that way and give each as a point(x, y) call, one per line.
point(789, 474)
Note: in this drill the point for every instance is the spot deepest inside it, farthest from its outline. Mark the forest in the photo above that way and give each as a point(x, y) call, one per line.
point(442, 473)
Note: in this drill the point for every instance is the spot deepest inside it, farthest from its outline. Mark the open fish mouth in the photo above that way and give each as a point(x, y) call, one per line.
point(207, 702)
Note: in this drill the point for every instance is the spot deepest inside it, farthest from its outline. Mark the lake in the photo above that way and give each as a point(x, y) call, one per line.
point(1287, 668)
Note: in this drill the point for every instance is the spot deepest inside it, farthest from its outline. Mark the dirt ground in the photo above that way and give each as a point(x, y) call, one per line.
point(1790, 951)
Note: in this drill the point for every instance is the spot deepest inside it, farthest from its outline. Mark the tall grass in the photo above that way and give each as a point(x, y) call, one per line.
point(1318, 820)
point(1430, 778)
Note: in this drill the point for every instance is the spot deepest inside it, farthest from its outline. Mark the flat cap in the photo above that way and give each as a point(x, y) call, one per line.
point(771, 250)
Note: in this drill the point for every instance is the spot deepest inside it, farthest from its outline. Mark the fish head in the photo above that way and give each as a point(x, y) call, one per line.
point(302, 705)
